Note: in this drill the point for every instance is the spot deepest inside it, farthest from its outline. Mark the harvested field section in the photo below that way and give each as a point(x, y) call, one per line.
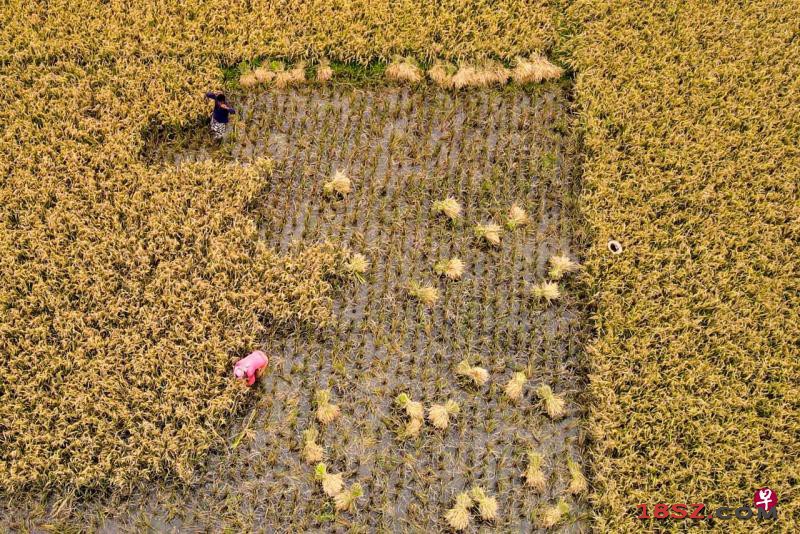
point(403, 151)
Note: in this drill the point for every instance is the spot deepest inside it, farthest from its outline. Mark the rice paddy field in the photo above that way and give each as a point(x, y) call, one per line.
point(139, 261)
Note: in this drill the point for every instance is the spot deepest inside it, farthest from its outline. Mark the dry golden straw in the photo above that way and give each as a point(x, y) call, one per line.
point(439, 414)
point(552, 515)
point(339, 184)
point(487, 506)
point(489, 232)
point(427, 295)
point(441, 73)
point(296, 75)
point(516, 218)
point(357, 266)
point(452, 268)
point(346, 500)
point(312, 452)
point(552, 403)
point(326, 412)
point(547, 291)
point(535, 69)
point(404, 70)
point(332, 484)
point(561, 265)
point(478, 375)
point(450, 207)
point(577, 482)
point(458, 517)
point(534, 476)
point(413, 409)
point(515, 386)
point(324, 71)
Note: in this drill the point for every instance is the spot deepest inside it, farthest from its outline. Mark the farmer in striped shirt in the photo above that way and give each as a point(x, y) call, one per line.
point(219, 118)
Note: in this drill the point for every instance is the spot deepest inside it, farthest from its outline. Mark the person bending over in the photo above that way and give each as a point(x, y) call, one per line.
point(220, 115)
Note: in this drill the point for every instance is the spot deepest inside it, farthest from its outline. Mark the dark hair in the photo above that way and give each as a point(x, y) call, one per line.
point(220, 98)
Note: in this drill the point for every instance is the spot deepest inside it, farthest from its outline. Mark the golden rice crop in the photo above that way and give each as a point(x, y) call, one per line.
point(704, 112)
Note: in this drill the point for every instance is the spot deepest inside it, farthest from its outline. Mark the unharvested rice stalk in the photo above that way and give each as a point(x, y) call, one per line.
point(552, 515)
point(458, 517)
point(489, 232)
point(263, 75)
point(516, 217)
point(546, 290)
point(339, 184)
point(404, 70)
point(427, 295)
point(515, 386)
point(357, 266)
point(478, 375)
point(552, 403)
point(729, 305)
point(535, 69)
point(534, 476)
point(439, 415)
point(452, 268)
point(324, 71)
point(346, 500)
point(561, 265)
point(248, 80)
point(450, 207)
point(413, 409)
point(331, 484)
point(295, 76)
point(326, 412)
point(487, 506)
point(312, 452)
point(441, 73)
point(577, 481)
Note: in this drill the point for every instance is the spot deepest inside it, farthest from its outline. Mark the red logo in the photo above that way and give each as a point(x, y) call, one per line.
point(765, 499)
